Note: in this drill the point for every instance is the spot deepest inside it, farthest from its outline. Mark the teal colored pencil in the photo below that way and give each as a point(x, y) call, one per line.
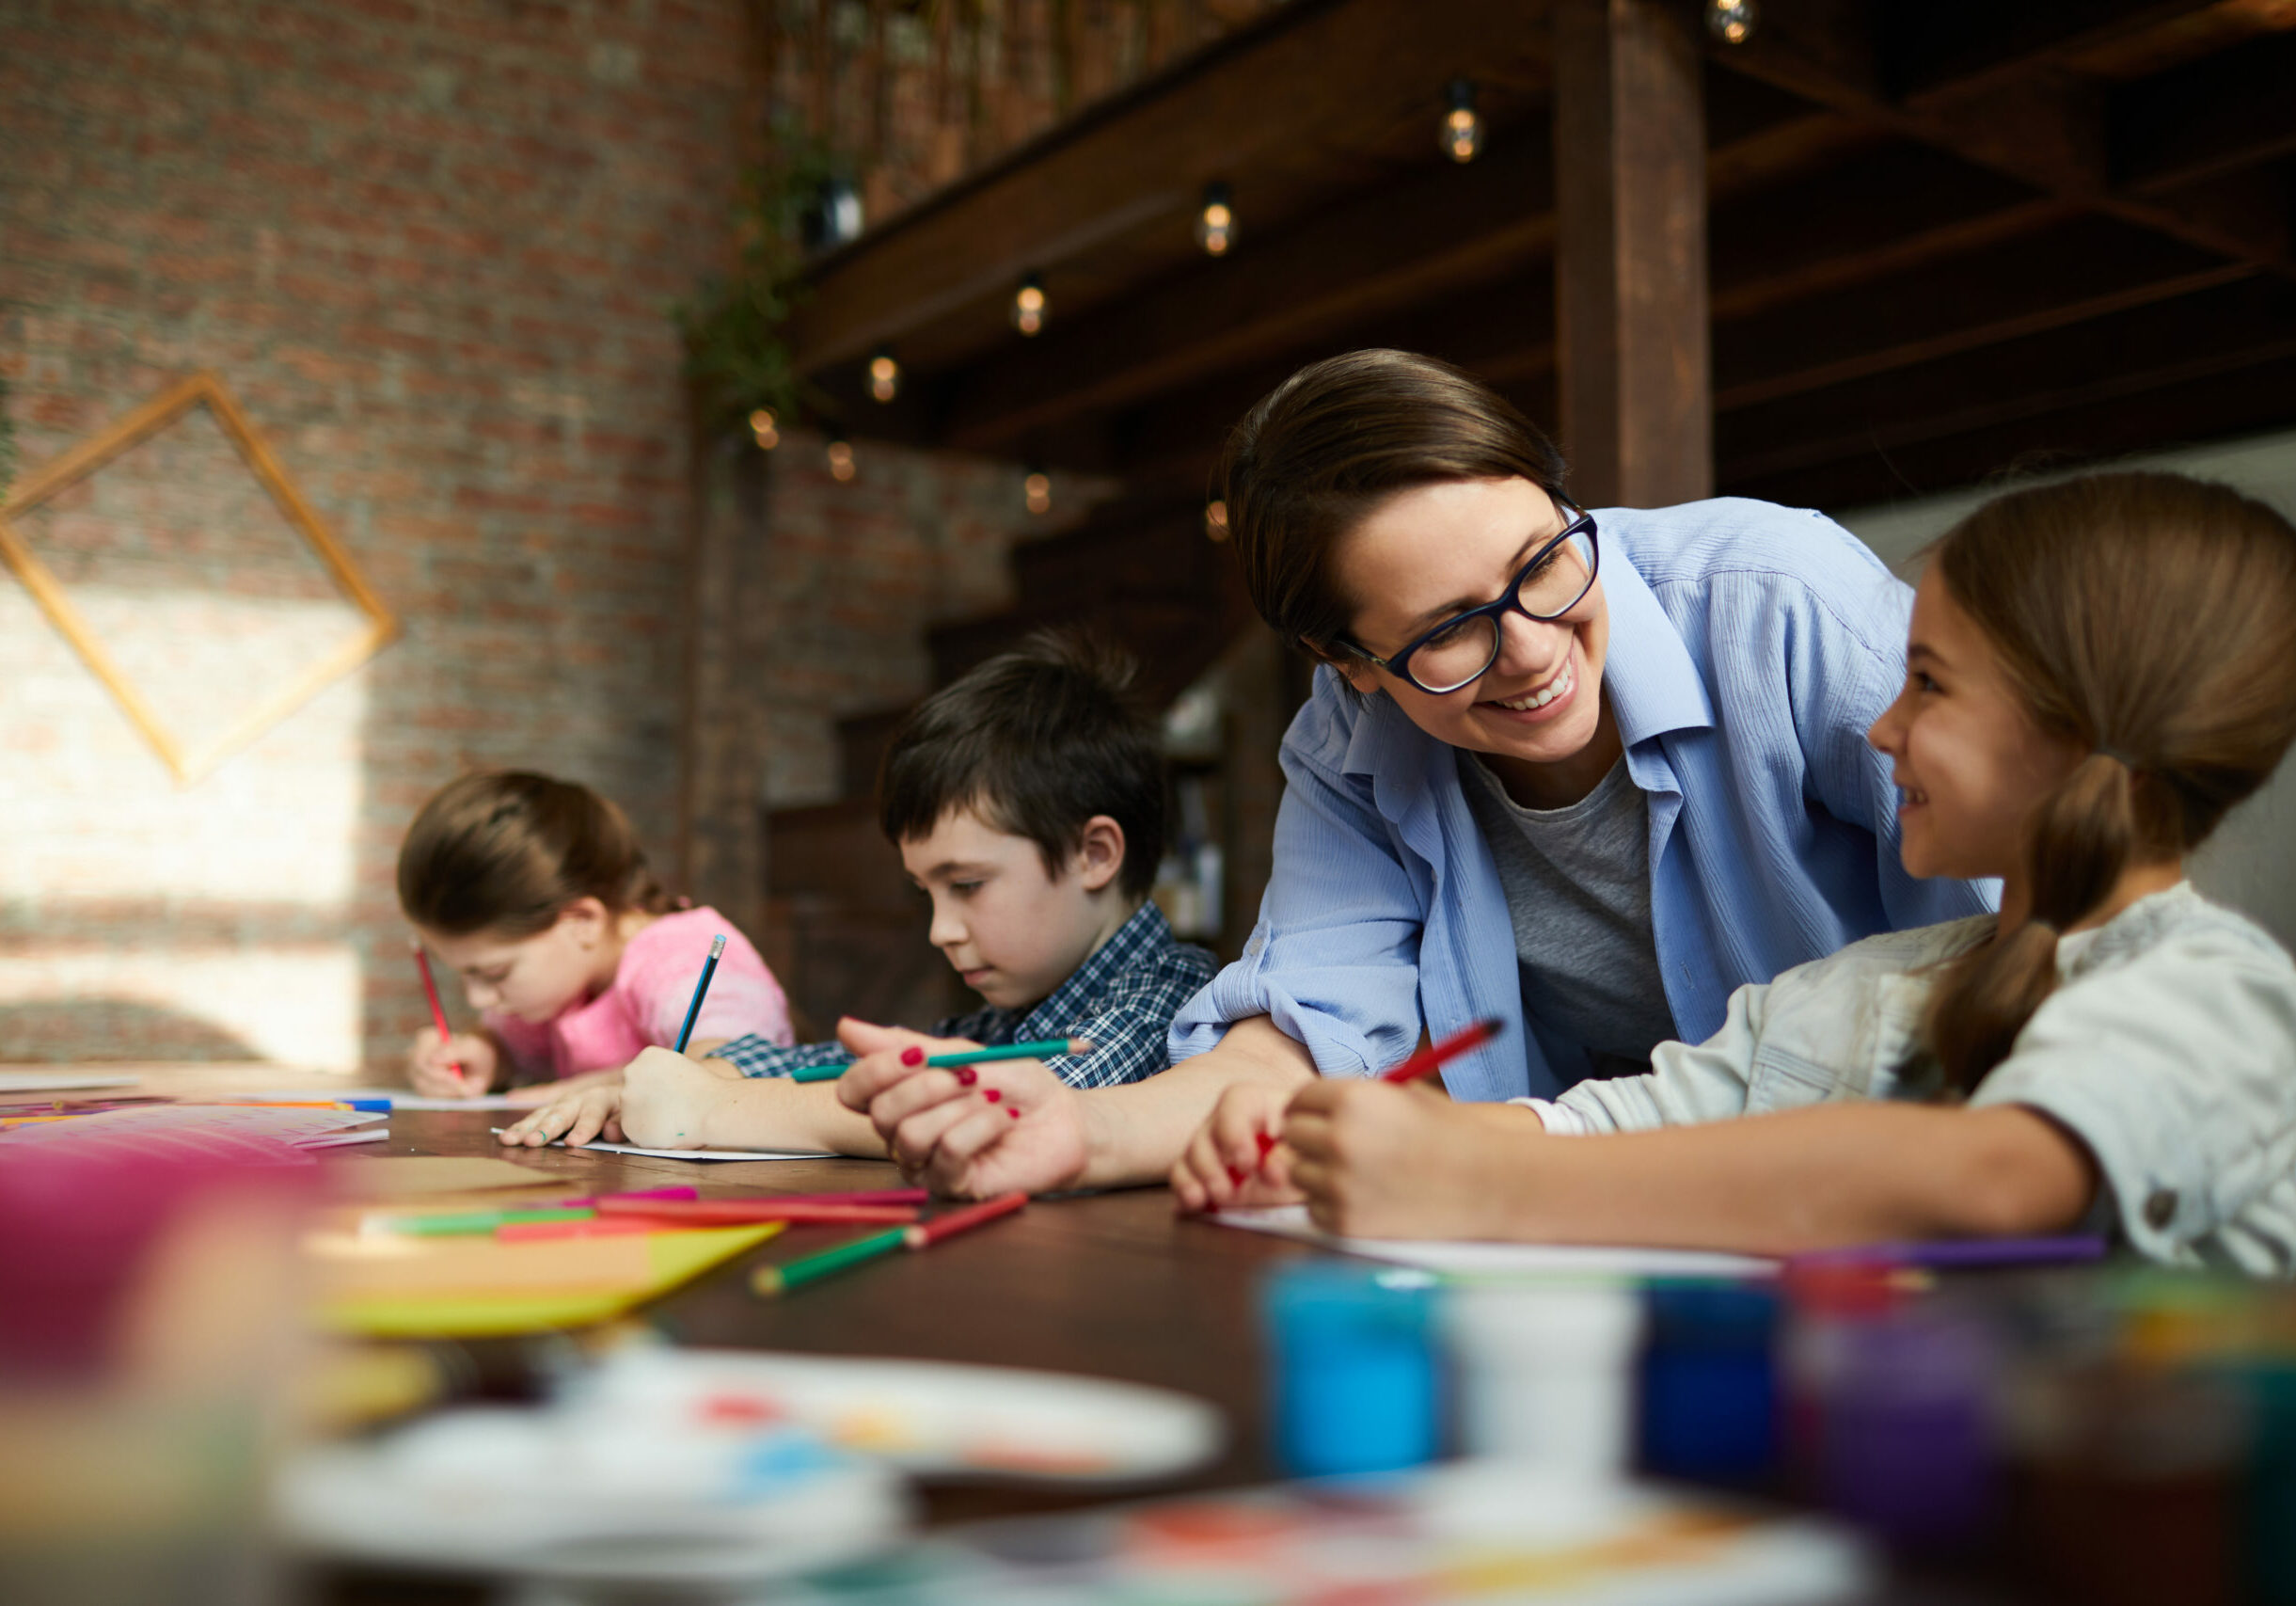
point(968, 1057)
point(776, 1280)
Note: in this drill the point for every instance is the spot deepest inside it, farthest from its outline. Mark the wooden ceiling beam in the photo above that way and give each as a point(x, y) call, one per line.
point(2170, 342)
point(2010, 104)
point(1316, 71)
point(1411, 240)
point(2211, 116)
point(2083, 269)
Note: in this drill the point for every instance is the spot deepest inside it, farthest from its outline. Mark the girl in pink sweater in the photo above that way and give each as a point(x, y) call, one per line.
point(536, 892)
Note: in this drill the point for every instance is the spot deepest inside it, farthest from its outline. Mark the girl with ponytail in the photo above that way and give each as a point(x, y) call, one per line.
point(2098, 670)
point(536, 892)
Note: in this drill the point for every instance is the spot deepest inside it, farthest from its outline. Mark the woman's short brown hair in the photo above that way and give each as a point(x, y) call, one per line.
point(1329, 444)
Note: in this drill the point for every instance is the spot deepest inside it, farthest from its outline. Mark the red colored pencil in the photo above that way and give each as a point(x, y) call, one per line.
point(430, 991)
point(955, 1221)
point(728, 1212)
point(1451, 1047)
point(598, 1227)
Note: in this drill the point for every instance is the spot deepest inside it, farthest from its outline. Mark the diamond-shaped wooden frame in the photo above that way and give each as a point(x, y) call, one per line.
point(189, 766)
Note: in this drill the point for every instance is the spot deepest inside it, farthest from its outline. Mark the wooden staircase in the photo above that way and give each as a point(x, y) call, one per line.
point(842, 927)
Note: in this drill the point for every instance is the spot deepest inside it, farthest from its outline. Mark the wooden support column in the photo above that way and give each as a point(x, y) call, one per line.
point(1630, 189)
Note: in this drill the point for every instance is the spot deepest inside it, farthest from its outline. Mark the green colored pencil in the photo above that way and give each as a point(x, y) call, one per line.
point(476, 1221)
point(771, 1281)
point(967, 1057)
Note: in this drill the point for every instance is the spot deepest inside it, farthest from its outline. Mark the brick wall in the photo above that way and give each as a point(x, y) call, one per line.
point(429, 246)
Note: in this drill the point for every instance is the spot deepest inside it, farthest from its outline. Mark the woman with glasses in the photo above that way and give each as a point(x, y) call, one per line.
point(1585, 775)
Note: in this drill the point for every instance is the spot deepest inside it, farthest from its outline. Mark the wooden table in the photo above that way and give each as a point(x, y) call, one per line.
point(1110, 1285)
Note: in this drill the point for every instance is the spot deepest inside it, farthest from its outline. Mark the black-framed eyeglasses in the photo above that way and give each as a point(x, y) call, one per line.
point(1457, 652)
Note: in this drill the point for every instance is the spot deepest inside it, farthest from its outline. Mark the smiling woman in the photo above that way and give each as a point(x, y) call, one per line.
point(1581, 772)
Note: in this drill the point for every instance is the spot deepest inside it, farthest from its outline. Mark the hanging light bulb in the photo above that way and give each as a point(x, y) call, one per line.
point(767, 433)
point(1462, 137)
point(1215, 226)
point(1037, 490)
point(1732, 21)
point(1215, 521)
point(884, 376)
point(1028, 306)
point(840, 466)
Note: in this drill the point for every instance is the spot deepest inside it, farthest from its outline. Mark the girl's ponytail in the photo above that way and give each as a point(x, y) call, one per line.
point(2150, 621)
point(2081, 835)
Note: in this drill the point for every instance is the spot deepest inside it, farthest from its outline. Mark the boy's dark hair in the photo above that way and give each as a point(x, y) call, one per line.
point(1036, 741)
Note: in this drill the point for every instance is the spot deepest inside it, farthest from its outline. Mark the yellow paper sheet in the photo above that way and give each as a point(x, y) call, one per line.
point(486, 1288)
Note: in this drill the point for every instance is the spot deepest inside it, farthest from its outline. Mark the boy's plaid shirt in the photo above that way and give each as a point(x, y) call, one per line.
point(1123, 998)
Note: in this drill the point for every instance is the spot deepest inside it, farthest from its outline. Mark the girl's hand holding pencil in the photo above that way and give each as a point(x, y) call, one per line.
point(965, 1131)
point(433, 1062)
point(1235, 1159)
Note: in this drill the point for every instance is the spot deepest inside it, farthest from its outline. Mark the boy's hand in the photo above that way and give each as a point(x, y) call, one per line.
point(670, 1101)
point(975, 1131)
point(1236, 1158)
point(580, 1109)
point(429, 1065)
point(1379, 1161)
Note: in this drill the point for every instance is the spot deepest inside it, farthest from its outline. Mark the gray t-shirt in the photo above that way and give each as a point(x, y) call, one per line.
point(1577, 886)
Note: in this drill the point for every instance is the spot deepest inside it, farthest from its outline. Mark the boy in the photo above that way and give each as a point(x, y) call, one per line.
point(1027, 802)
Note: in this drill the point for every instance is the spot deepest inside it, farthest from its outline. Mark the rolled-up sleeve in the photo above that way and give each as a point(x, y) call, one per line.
point(2184, 1092)
point(1334, 959)
point(1686, 1083)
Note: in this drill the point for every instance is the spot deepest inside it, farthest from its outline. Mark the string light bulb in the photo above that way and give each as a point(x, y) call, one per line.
point(884, 376)
point(1216, 225)
point(1037, 491)
point(1215, 521)
point(1732, 21)
point(1029, 306)
point(1462, 136)
point(841, 465)
point(764, 430)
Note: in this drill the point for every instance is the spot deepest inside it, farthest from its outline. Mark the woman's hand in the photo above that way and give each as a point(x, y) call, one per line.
point(429, 1065)
point(973, 1131)
point(1379, 1161)
point(1236, 1158)
point(578, 1110)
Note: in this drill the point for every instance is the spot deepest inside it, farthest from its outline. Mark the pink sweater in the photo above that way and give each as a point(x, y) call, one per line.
point(646, 1003)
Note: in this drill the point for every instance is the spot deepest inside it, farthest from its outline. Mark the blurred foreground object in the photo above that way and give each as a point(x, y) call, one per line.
point(148, 1340)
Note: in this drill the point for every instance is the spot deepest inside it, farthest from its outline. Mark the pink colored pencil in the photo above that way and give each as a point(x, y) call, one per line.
point(727, 1212)
point(950, 1223)
point(671, 1193)
point(598, 1227)
point(430, 991)
point(858, 1196)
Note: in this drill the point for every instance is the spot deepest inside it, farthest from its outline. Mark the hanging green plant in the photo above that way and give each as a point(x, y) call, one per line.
point(735, 347)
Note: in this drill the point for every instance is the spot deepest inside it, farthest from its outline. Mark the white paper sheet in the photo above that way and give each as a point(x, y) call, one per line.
point(1501, 1260)
point(62, 1081)
point(692, 1153)
point(400, 1099)
point(374, 1136)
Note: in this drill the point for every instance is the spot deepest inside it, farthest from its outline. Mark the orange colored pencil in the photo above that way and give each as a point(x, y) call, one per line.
point(955, 1221)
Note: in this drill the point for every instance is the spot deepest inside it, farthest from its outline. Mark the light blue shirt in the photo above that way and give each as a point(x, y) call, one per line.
point(1750, 647)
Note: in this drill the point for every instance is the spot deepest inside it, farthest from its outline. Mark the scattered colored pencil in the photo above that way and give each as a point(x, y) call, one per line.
point(950, 1223)
point(1951, 1253)
point(700, 990)
point(774, 1280)
point(1439, 1054)
point(430, 991)
point(472, 1222)
point(732, 1212)
point(597, 1226)
point(965, 1057)
point(590, 1201)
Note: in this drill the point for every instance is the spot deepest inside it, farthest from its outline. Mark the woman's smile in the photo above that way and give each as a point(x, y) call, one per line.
point(1544, 702)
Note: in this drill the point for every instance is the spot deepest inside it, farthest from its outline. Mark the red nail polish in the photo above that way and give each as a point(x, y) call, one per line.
point(913, 1055)
point(1236, 1175)
point(993, 1095)
point(1014, 1113)
point(966, 1075)
point(1267, 1141)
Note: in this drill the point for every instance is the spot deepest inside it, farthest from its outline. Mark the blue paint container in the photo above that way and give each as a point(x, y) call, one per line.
point(1711, 1411)
point(1353, 1356)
